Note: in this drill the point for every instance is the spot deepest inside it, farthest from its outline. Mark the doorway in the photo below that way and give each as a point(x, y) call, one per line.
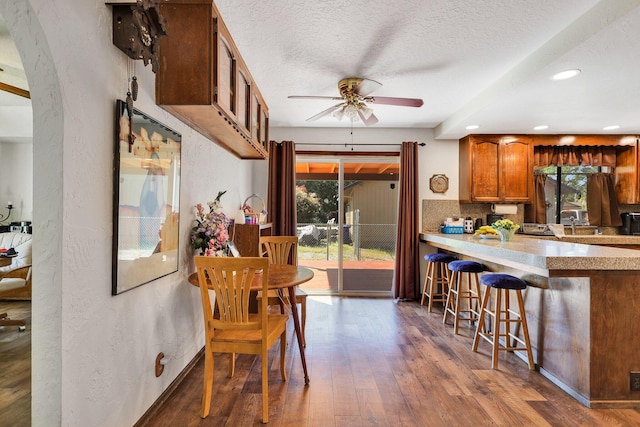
point(347, 214)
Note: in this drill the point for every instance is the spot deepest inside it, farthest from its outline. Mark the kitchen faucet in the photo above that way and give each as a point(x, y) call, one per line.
point(573, 225)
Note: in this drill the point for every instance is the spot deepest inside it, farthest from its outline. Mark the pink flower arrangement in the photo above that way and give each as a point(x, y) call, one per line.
point(210, 232)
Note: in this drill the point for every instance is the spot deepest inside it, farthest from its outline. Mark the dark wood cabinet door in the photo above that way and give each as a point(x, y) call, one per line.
point(516, 169)
point(225, 75)
point(244, 90)
point(626, 175)
point(255, 118)
point(264, 129)
point(247, 237)
point(485, 170)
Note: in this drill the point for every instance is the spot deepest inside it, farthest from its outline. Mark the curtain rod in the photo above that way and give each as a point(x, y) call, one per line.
point(421, 144)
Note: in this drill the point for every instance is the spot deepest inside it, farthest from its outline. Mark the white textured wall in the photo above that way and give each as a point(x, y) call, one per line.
point(16, 180)
point(93, 353)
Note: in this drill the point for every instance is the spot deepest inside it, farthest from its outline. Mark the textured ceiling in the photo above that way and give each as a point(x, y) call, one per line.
point(473, 62)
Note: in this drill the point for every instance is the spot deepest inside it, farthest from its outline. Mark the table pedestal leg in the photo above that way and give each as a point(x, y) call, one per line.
point(296, 324)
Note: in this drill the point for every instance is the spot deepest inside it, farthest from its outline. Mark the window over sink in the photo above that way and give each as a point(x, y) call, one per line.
point(566, 193)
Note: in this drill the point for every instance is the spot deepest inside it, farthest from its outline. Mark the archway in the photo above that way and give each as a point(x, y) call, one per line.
point(48, 124)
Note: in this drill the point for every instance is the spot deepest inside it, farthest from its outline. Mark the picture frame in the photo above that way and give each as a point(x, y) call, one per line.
point(146, 199)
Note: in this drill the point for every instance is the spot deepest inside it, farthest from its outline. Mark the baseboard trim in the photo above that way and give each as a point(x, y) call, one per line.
point(144, 420)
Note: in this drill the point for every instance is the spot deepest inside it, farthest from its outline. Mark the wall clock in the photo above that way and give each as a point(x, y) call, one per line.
point(439, 183)
point(137, 28)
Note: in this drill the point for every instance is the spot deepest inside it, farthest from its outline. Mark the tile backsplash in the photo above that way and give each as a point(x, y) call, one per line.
point(434, 212)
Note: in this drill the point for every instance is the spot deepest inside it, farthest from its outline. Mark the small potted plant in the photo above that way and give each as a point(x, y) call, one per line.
point(506, 229)
point(210, 231)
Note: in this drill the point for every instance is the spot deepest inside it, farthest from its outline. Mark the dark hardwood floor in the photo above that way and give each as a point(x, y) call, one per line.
point(15, 367)
point(372, 362)
point(377, 362)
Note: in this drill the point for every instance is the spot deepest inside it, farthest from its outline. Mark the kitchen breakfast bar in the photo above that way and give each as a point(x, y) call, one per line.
point(582, 305)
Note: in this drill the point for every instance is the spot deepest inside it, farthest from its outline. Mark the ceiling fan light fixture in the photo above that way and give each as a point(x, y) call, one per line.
point(366, 111)
point(339, 113)
point(351, 111)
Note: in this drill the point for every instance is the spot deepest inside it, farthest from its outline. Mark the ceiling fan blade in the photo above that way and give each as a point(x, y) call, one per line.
point(372, 120)
point(403, 102)
point(335, 98)
point(325, 112)
point(367, 86)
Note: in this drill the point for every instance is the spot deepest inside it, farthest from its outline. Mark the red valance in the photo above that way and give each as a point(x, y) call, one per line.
point(571, 155)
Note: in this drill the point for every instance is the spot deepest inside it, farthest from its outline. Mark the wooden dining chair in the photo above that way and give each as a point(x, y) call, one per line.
point(236, 330)
point(284, 250)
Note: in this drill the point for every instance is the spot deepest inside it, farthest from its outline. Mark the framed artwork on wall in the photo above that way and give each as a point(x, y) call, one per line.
point(146, 199)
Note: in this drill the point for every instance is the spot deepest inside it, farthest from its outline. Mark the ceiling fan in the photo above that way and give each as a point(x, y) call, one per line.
point(354, 93)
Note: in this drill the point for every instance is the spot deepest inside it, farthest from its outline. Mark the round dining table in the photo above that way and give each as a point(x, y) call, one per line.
point(282, 277)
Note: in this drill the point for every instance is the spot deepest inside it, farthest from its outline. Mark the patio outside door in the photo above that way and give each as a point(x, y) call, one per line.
point(347, 212)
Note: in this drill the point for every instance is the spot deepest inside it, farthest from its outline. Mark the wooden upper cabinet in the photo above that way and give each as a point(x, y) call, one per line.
point(204, 81)
point(626, 176)
point(496, 168)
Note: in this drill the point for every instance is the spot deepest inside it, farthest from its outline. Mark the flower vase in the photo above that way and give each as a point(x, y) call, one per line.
point(505, 234)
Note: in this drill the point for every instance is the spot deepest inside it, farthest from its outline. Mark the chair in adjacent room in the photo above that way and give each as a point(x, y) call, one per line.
point(284, 250)
point(436, 280)
point(462, 290)
point(503, 315)
point(14, 283)
point(236, 330)
point(15, 278)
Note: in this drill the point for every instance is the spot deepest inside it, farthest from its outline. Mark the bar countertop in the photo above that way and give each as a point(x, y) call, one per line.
point(582, 302)
point(542, 256)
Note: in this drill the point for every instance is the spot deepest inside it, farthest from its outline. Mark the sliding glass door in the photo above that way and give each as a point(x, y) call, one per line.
point(347, 210)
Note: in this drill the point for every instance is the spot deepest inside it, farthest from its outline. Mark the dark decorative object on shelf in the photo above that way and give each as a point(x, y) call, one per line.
point(6, 217)
point(137, 28)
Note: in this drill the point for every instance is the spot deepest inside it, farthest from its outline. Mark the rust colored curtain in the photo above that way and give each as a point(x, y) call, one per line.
point(602, 205)
point(536, 212)
point(281, 193)
point(569, 155)
point(406, 275)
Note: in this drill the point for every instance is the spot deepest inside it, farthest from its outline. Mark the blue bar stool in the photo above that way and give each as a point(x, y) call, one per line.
point(502, 314)
point(436, 281)
point(463, 271)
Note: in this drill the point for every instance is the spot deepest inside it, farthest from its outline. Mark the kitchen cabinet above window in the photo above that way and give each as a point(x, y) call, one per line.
point(204, 81)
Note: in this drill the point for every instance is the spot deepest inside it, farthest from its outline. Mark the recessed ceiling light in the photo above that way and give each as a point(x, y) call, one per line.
point(472, 127)
point(541, 127)
point(612, 127)
point(566, 74)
